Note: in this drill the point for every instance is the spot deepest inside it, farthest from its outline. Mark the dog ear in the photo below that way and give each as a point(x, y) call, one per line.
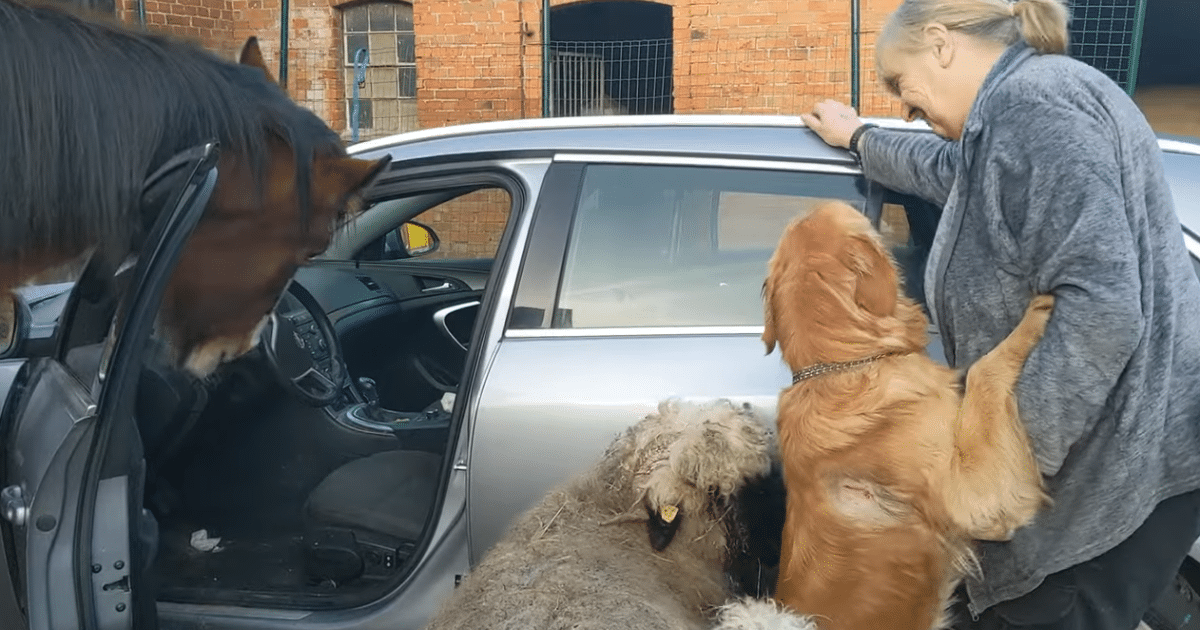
point(876, 286)
point(768, 335)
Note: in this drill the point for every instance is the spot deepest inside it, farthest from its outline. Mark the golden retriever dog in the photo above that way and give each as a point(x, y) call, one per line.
point(891, 466)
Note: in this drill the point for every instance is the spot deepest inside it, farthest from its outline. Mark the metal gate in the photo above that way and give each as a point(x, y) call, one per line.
point(577, 85)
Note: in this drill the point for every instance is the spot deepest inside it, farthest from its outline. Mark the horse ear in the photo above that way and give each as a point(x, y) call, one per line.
point(252, 56)
point(352, 174)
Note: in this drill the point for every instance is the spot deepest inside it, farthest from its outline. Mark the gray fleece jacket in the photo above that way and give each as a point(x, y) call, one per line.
point(1057, 185)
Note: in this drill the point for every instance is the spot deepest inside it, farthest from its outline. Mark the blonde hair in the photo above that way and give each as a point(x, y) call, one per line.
point(1043, 24)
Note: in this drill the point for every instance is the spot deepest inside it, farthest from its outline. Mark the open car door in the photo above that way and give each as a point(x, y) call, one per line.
point(76, 541)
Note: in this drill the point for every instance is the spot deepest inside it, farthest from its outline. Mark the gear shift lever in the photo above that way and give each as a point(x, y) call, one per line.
point(370, 411)
point(370, 392)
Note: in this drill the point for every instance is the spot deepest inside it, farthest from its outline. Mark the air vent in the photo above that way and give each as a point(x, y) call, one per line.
point(369, 283)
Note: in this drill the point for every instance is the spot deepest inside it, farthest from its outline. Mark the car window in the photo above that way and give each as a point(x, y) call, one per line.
point(467, 226)
point(907, 224)
point(681, 246)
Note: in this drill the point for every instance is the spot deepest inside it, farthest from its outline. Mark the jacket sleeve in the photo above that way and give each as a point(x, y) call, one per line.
point(920, 164)
point(1056, 173)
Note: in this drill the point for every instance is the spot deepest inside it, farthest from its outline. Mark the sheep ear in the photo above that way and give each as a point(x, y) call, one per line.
point(661, 526)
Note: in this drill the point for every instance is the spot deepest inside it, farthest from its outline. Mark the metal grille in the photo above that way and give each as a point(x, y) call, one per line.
point(763, 70)
point(577, 80)
point(1107, 34)
point(620, 77)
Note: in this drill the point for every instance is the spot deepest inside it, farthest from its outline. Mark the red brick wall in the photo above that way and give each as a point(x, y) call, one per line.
point(315, 57)
point(773, 56)
point(480, 60)
point(209, 22)
point(470, 226)
point(469, 60)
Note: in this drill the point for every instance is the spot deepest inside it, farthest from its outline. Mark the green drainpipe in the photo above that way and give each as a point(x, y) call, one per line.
point(1135, 54)
point(854, 60)
point(283, 44)
point(545, 58)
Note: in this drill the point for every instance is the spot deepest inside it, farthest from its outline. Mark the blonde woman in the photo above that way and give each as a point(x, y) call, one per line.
point(1051, 180)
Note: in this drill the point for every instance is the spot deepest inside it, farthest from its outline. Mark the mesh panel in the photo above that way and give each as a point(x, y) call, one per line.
point(594, 78)
point(1106, 34)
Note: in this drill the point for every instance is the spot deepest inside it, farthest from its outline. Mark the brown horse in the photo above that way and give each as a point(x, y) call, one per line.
point(89, 108)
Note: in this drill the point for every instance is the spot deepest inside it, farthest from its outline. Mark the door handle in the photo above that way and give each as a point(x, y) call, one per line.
point(441, 287)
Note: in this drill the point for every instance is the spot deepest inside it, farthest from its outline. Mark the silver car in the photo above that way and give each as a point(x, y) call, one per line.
point(514, 295)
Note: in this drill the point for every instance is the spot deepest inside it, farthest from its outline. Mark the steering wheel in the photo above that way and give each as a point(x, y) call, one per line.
point(302, 348)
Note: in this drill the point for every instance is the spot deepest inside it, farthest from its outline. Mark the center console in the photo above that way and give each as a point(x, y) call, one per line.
point(414, 429)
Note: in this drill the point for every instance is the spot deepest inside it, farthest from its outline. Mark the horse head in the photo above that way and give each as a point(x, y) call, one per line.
point(257, 231)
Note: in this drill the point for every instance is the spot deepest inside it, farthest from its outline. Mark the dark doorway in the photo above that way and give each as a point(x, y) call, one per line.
point(1168, 80)
point(1170, 44)
point(611, 57)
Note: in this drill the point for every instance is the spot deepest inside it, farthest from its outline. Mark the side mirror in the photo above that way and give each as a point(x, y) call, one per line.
point(410, 240)
point(14, 324)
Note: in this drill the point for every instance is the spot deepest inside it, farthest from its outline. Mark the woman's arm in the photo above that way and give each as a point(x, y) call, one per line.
point(917, 163)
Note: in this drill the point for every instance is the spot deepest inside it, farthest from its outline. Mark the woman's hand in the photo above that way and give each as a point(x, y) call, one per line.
point(835, 122)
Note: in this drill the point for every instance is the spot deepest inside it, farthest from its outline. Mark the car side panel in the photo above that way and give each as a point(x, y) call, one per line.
point(551, 405)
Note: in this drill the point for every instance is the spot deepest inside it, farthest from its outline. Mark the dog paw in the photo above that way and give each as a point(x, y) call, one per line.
point(1042, 302)
point(1037, 315)
point(995, 535)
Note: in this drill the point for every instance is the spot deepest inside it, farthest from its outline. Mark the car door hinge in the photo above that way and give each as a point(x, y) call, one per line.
point(13, 506)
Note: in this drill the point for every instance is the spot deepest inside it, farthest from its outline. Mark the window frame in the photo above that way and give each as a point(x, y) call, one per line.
point(368, 103)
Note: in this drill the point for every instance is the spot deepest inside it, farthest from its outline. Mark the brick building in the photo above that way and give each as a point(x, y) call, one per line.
point(439, 62)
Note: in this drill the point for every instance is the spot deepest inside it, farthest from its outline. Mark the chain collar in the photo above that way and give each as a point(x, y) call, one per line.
point(825, 368)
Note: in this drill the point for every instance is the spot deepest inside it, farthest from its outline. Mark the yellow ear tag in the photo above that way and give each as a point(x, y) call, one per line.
point(669, 513)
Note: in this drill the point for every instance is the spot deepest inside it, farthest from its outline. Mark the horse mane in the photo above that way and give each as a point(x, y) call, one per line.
point(91, 107)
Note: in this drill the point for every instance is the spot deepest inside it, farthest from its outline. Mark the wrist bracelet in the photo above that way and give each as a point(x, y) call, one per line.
point(854, 138)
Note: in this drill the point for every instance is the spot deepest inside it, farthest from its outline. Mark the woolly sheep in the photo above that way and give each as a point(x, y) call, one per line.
point(643, 540)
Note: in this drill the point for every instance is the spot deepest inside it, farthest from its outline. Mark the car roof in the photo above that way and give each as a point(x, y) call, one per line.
point(770, 137)
point(730, 136)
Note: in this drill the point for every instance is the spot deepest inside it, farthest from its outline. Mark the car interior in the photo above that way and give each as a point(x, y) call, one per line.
point(304, 473)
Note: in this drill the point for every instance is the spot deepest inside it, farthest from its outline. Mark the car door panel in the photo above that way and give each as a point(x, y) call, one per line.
point(528, 410)
point(471, 273)
point(47, 456)
point(73, 471)
point(12, 376)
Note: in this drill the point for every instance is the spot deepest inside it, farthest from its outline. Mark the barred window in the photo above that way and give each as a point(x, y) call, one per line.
point(388, 92)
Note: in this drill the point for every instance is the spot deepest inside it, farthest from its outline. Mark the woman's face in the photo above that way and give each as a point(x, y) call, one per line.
point(925, 84)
